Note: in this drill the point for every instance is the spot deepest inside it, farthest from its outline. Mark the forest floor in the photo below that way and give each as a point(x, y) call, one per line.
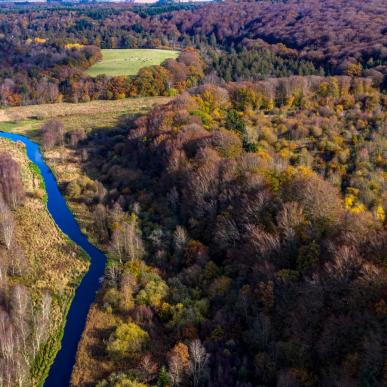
point(52, 262)
point(129, 61)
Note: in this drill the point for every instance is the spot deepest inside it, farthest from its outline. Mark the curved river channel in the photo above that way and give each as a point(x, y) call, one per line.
point(60, 372)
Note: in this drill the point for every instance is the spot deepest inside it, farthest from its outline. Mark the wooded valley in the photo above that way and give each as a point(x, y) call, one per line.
point(243, 214)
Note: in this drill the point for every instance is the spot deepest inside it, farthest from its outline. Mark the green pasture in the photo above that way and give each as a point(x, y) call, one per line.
point(128, 61)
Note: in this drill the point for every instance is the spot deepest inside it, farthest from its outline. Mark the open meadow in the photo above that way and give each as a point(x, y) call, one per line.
point(129, 61)
point(28, 120)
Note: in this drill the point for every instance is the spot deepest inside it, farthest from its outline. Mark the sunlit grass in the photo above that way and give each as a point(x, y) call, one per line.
point(129, 61)
point(28, 120)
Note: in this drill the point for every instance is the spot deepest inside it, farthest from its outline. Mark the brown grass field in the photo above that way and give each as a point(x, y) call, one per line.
point(64, 109)
point(28, 120)
point(89, 369)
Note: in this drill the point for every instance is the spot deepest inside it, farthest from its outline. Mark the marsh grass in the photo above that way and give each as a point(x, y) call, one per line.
point(54, 263)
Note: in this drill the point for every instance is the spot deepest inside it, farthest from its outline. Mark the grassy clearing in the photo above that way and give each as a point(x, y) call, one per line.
point(129, 61)
point(27, 120)
point(17, 126)
point(33, 113)
point(54, 263)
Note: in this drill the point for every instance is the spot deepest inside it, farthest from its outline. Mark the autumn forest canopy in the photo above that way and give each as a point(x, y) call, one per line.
point(243, 217)
point(45, 50)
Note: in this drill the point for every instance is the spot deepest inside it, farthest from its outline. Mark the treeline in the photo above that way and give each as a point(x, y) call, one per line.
point(36, 73)
point(252, 218)
point(170, 78)
point(255, 63)
point(51, 46)
point(330, 34)
point(24, 316)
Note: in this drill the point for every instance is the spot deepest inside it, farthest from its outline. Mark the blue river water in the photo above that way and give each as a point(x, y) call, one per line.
point(60, 372)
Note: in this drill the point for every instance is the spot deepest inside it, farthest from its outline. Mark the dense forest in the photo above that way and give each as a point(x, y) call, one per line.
point(249, 217)
point(245, 219)
point(48, 48)
point(259, 61)
point(40, 73)
point(332, 31)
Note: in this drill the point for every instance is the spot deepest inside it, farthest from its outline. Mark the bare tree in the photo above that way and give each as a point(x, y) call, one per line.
point(21, 371)
point(290, 217)
point(148, 368)
point(20, 315)
point(11, 184)
point(126, 242)
point(22, 332)
point(175, 370)
point(100, 221)
point(46, 307)
point(7, 344)
point(13, 368)
point(41, 319)
point(113, 276)
point(101, 191)
point(178, 363)
point(52, 133)
point(3, 267)
point(180, 238)
point(198, 361)
point(117, 245)
point(17, 262)
point(6, 372)
point(7, 224)
point(75, 136)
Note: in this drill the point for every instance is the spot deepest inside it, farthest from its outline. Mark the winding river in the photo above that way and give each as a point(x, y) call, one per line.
point(60, 372)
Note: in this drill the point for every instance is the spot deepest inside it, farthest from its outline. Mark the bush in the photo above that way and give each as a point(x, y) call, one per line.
point(127, 339)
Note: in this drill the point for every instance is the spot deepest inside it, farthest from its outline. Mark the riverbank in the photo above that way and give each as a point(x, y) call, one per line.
point(66, 163)
point(51, 262)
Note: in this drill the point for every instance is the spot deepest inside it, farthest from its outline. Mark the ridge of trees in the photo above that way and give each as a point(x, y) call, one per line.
point(52, 74)
point(259, 209)
point(304, 35)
